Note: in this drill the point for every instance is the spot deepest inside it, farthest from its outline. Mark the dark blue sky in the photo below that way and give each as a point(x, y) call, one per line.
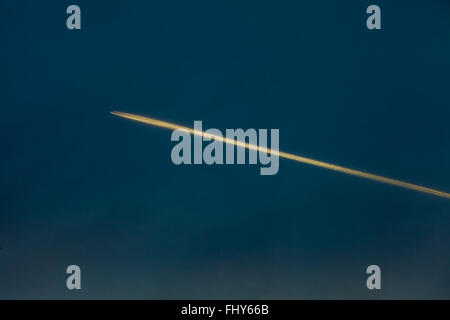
point(80, 186)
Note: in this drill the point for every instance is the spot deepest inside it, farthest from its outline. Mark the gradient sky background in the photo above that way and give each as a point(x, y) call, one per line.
point(80, 186)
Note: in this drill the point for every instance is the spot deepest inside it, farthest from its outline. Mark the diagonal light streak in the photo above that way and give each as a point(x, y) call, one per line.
point(317, 163)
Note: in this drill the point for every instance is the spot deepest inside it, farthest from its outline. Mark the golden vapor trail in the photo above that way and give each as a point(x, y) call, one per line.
point(321, 164)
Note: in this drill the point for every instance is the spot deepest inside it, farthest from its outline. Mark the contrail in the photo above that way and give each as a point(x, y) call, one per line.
point(317, 163)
